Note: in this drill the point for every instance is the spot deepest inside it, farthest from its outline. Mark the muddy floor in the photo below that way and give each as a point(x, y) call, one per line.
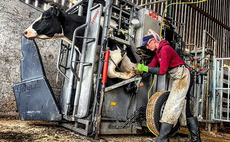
point(13, 130)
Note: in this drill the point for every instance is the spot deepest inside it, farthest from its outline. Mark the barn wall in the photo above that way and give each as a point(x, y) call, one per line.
point(190, 20)
point(15, 17)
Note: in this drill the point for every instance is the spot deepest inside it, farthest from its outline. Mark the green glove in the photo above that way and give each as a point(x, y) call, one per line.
point(142, 67)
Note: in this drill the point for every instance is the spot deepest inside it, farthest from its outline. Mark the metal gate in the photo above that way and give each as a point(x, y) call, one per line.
point(221, 89)
point(202, 95)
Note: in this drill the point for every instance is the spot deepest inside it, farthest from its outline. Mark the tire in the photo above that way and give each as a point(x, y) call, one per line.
point(155, 110)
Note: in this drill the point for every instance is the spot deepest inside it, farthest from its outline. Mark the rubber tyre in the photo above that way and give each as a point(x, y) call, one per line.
point(154, 112)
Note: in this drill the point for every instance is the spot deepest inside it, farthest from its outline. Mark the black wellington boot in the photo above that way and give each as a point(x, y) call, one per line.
point(193, 127)
point(164, 132)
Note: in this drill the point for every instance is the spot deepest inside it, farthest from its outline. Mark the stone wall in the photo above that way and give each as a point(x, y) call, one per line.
point(15, 17)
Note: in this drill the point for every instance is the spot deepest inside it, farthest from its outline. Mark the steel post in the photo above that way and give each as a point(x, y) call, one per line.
point(78, 88)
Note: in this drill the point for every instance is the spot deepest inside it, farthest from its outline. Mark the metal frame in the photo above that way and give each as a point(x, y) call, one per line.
point(184, 24)
point(203, 94)
point(221, 90)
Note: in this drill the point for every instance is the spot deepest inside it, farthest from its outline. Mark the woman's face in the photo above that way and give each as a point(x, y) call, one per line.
point(152, 44)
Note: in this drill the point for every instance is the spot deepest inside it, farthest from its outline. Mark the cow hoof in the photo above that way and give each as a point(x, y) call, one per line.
point(135, 72)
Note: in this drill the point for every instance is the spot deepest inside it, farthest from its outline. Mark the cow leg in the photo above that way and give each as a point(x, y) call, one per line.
point(127, 65)
point(112, 73)
point(115, 59)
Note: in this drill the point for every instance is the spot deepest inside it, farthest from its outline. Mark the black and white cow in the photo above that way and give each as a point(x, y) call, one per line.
point(55, 23)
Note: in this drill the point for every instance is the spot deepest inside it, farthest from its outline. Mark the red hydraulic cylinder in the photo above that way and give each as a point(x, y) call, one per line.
point(105, 67)
point(104, 80)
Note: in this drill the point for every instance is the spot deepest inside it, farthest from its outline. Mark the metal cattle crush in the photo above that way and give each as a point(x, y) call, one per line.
point(204, 27)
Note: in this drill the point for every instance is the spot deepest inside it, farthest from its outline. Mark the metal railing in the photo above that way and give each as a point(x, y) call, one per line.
point(202, 106)
point(221, 90)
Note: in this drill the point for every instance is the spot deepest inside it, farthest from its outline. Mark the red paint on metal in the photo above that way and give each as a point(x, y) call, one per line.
point(105, 67)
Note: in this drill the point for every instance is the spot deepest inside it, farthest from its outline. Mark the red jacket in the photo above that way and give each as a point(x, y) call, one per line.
point(167, 58)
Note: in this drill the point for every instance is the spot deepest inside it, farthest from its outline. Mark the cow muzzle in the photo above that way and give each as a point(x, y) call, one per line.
point(30, 34)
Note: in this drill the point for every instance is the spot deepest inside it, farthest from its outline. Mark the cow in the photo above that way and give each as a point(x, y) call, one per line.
point(121, 59)
point(55, 23)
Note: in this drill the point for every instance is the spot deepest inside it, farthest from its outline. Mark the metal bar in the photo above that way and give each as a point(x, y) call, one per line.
point(36, 3)
point(214, 85)
point(159, 7)
point(184, 26)
point(215, 33)
point(175, 18)
point(208, 96)
point(190, 27)
point(161, 12)
point(78, 88)
point(200, 30)
point(212, 7)
point(209, 8)
point(116, 2)
point(179, 18)
point(107, 89)
point(221, 7)
point(221, 92)
point(106, 23)
point(195, 29)
point(74, 6)
point(121, 10)
point(215, 13)
point(202, 66)
point(150, 7)
point(63, 2)
point(217, 85)
point(210, 35)
point(222, 58)
point(154, 6)
point(224, 13)
point(228, 93)
point(223, 38)
point(70, 4)
point(218, 120)
point(219, 40)
point(228, 14)
point(73, 55)
point(58, 61)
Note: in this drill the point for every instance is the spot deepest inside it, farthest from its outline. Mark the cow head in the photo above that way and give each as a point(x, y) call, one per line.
point(47, 26)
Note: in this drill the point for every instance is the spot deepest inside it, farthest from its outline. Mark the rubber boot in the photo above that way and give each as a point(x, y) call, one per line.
point(164, 132)
point(193, 127)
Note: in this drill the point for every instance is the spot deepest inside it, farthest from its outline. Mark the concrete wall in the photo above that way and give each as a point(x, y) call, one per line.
point(15, 17)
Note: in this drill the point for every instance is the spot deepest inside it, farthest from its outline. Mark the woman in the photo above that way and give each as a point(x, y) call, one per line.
point(175, 108)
